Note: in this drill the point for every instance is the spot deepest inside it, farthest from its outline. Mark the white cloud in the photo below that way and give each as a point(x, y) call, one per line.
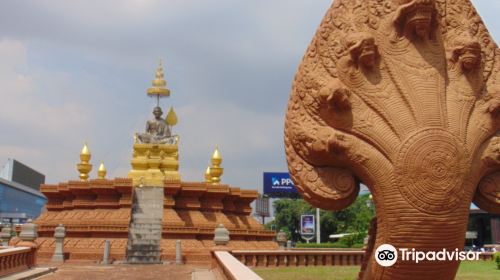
point(21, 152)
point(34, 127)
point(23, 103)
point(13, 54)
point(77, 70)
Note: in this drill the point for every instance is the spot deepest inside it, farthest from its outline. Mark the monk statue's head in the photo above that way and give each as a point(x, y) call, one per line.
point(415, 18)
point(362, 49)
point(157, 112)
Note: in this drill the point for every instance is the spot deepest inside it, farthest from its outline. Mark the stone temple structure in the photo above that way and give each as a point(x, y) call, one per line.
point(144, 214)
point(404, 96)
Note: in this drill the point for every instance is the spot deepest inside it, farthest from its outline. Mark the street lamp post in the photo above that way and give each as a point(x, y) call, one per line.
point(318, 233)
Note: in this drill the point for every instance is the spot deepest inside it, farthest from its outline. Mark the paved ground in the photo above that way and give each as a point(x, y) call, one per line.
point(202, 274)
point(69, 271)
point(29, 274)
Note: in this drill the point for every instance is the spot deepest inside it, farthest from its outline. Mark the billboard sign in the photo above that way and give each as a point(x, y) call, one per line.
point(279, 184)
point(17, 172)
point(307, 226)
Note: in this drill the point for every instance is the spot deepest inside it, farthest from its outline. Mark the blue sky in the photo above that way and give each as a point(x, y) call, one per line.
point(75, 71)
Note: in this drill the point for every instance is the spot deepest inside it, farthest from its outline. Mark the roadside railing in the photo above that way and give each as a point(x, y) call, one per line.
point(486, 256)
point(270, 258)
point(16, 259)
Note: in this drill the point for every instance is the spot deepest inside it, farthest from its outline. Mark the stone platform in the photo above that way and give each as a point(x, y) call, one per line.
point(97, 210)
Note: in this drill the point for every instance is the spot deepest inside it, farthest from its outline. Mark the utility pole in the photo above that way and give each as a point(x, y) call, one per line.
point(318, 233)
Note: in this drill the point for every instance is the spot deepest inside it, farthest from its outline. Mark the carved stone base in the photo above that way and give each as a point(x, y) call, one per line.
point(152, 164)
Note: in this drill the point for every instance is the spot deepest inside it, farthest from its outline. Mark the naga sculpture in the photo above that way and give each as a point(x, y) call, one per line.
point(403, 96)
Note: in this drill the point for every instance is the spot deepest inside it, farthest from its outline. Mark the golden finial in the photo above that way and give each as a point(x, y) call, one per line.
point(215, 170)
point(216, 157)
point(101, 172)
point(85, 154)
point(159, 88)
point(159, 81)
point(208, 177)
point(171, 118)
point(84, 167)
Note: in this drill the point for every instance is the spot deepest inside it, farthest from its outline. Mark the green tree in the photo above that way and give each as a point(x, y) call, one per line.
point(270, 225)
point(354, 219)
point(287, 216)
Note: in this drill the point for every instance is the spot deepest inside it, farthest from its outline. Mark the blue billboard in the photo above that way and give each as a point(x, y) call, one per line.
point(279, 184)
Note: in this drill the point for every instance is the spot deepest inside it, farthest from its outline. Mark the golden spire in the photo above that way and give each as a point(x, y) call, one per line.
point(215, 170)
point(84, 167)
point(171, 118)
point(85, 154)
point(101, 172)
point(216, 157)
point(159, 88)
point(208, 177)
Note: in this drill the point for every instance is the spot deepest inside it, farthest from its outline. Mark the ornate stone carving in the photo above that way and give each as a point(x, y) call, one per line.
point(488, 193)
point(414, 19)
point(402, 95)
point(465, 54)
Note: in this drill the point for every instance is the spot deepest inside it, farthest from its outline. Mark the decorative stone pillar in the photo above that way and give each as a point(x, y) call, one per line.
point(107, 248)
point(178, 252)
point(289, 245)
point(281, 239)
point(29, 231)
point(221, 235)
point(5, 235)
point(59, 234)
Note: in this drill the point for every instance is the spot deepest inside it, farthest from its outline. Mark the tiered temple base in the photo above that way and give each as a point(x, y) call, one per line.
point(99, 210)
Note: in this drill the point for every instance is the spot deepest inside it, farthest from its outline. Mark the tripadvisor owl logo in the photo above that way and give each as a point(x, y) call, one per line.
point(386, 255)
